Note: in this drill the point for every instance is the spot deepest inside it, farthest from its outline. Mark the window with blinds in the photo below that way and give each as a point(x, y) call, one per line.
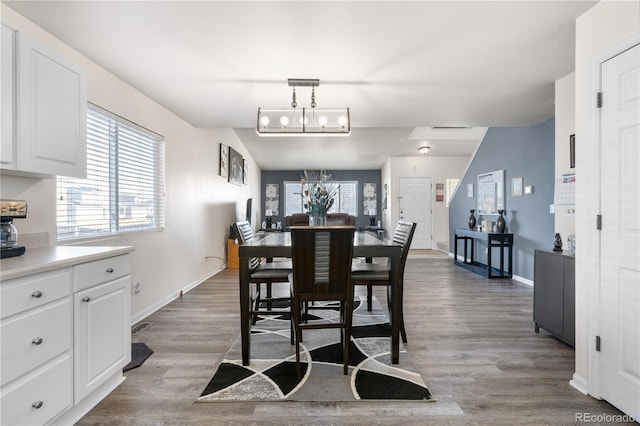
point(346, 198)
point(124, 188)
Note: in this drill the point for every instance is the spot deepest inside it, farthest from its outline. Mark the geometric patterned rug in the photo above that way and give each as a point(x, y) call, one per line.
point(271, 376)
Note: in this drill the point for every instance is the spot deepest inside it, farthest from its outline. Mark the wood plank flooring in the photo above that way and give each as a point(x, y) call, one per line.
point(472, 339)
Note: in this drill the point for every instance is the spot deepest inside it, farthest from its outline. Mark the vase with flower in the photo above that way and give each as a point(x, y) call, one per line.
point(318, 196)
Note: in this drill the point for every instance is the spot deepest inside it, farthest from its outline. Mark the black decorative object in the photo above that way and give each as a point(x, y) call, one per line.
point(501, 225)
point(472, 220)
point(557, 243)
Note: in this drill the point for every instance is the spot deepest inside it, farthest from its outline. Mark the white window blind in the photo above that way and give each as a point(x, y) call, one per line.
point(346, 198)
point(124, 188)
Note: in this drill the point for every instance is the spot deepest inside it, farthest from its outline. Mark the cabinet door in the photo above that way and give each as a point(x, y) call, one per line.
point(51, 112)
point(569, 330)
point(102, 331)
point(8, 96)
point(548, 292)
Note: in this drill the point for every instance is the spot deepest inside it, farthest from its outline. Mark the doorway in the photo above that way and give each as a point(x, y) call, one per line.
point(414, 204)
point(618, 357)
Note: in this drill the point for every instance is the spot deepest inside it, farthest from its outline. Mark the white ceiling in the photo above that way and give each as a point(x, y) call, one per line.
point(397, 65)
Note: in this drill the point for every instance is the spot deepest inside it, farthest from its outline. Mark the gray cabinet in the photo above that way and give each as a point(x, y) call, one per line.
point(554, 294)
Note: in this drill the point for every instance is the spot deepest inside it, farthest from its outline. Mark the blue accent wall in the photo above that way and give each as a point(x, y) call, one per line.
point(362, 176)
point(527, 152)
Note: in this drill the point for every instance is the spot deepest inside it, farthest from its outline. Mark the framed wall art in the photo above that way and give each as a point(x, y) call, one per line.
point(272, 198)
point(223, 169)
point(490, 187)
point(245, 171)
point(517, 184)
point(236, 167)
point(369, 198)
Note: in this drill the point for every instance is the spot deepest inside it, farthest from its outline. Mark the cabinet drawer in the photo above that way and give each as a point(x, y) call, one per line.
point(97, 272)
point(30, 292)
point(34, 338)
point(49, 388)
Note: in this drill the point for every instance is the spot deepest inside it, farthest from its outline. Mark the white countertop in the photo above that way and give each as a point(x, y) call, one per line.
point(42, 259)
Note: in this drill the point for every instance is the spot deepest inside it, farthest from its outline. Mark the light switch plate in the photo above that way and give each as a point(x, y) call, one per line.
point(552, 209)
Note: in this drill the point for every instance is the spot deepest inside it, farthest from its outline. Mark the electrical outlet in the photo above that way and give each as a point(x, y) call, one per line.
point(136, 287)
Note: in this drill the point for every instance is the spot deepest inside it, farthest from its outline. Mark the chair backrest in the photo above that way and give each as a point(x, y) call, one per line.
point(245, 234)
point(321, 258)
point(403, 235)
point(298, 219)
point(340, 219)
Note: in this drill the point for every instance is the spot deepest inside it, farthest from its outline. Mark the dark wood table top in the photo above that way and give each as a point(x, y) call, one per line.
point(278, 244)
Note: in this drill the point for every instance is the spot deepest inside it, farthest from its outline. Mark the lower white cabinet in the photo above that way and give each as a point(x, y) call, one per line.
point(102, 334)
point(65, 337)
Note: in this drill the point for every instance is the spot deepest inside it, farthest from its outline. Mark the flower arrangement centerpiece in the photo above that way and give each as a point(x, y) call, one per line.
point(318, 195)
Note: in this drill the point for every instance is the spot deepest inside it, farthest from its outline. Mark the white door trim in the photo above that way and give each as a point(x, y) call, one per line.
point(592, 243)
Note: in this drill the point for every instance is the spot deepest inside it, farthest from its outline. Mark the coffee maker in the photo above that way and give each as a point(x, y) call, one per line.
point(10, 210)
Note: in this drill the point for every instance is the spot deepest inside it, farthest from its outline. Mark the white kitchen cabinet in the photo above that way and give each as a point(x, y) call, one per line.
point(8, 96)
point(36, 332)
point(102, 333)
point(65, 332)
point(47, 118)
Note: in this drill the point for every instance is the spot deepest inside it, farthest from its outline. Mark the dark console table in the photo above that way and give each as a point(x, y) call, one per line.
point(494, 240)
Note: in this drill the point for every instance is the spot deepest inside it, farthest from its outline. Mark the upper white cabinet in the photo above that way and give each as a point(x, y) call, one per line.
point(8, 96)
point(48, 118)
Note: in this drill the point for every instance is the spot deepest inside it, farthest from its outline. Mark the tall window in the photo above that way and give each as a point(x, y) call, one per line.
point(124, 188)
point(450, 188)
point(346, 198)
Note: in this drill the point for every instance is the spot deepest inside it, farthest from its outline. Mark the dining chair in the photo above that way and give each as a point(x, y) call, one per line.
point(262, 272)
point(321, 258)
point(371, 274)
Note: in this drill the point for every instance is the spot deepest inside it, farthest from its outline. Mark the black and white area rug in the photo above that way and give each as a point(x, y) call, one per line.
point(271, 376)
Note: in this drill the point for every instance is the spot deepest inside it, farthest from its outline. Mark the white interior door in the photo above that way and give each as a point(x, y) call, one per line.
point(414, 201)
point(619, 358)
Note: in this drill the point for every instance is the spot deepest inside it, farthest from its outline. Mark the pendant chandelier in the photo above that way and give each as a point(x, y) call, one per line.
point(303, 121)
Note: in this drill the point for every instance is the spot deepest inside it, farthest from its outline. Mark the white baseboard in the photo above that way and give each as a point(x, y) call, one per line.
point(579, 384)
point(518, 278)
point(162, 303)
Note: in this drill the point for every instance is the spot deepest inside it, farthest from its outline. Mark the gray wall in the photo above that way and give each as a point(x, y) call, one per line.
point(527, 152)
point(362, 176)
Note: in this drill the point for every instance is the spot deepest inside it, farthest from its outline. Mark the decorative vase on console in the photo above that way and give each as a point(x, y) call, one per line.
point(501, 225)
point(472, 220)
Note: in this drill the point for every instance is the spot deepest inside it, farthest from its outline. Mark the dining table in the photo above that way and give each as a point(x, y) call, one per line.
point(278, 244)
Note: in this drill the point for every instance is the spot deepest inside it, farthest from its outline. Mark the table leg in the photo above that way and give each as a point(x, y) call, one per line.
point(396, 309)
point(502, 257)
point(245, 317)
point(489, 258)
point(465, 249)
point(455, 247)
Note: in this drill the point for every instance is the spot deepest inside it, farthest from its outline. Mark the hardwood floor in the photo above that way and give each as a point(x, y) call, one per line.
point(472, 339)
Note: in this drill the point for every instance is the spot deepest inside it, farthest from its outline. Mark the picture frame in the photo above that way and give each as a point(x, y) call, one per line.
point(272, 198)
point(490, 187)
point(245, 172)
point(517, 183)
point(223, 167)
point(236, 167)
point(572, 151)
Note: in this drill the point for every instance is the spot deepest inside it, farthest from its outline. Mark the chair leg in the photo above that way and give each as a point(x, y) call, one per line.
point(403, 332)
point(347, 318)
point(269, 295)
point(369, 297)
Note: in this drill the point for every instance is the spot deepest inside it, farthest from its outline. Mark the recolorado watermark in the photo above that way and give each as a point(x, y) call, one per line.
point(603, 418)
